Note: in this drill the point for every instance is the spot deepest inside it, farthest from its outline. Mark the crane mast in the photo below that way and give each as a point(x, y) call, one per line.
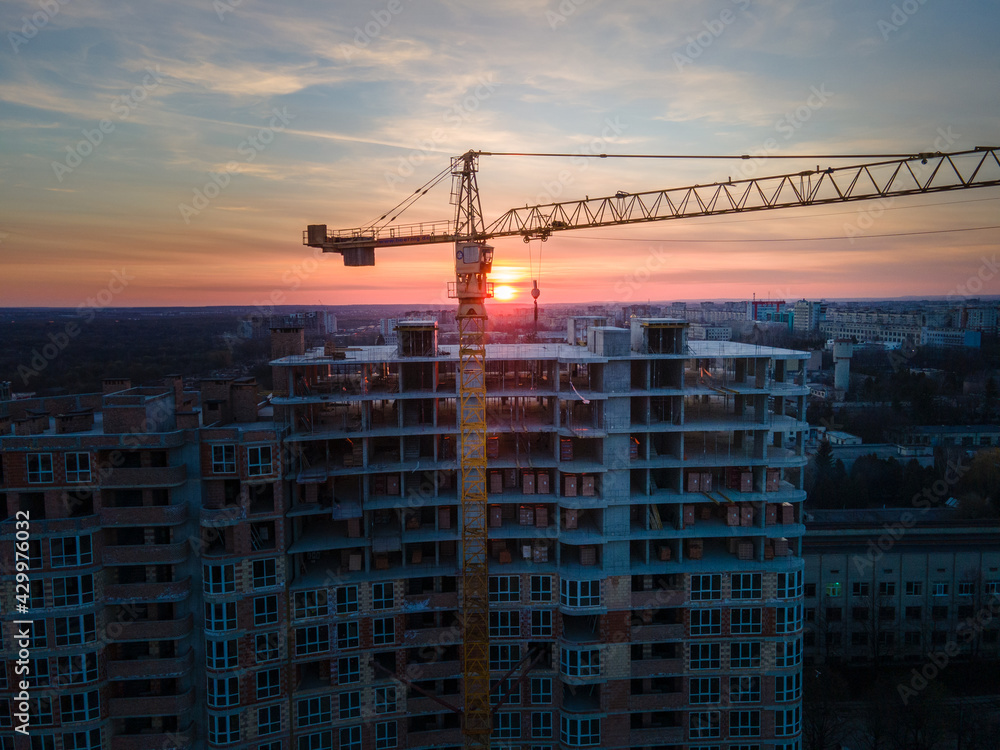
point(920, 173)
point(473, 262)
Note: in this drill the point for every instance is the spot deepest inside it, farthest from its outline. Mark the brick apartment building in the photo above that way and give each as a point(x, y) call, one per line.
point(210, 572)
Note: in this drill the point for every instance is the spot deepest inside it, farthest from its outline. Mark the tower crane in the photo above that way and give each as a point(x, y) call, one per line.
point(889, 176)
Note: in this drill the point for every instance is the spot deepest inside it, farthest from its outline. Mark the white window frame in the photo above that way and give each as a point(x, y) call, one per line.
point(504, 656)
point(39, 466)
point(385, 699)
point(268, 720)
point(706, 621)
point(312, 711)
point(350, 705)
point(505, 623)
point(309, 604)
point(223, 729)
point(348, 670)
point(312, 639)
point(347, 600)
point(541, 588)
point(788, 619)
point(744, 723)
point(792, 655)
point(348, 634)
point(222, 692)
point(73, 591)
point(383, 596)
point(264, 573)
point(507, 725)
point(747, 586)
point(219, 579)
point(265, 610)
point(505, 589)
point(80, 471)
point(541, 690)
point(580, 594)
point(268, 684)
point(966, 588)
point(71, 551)
point(79, 629)
point(787, 721)
point(886, 588)
point(266, 647)
point(541, 623)
point(260, 461)
point(787, 687)
point(220, 617)
point(317, 741)
point(386, 735)
point(744, 655)
point(579, 732)
point(90, 739)
point(940, 588)
point(383, 631)
point(744, 689)
point(914, 588)
point(224, 459)
point(705, 656)
point(350, 738)
point(585, 662)
point(706, 587)
point(704, 690)
point(541, 725)
point(79, 707)
point(77, 669)
point(746, 621)
point(703, 725)
point(221, 655)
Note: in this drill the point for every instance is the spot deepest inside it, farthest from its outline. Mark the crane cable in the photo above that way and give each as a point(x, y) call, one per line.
point(410, 199)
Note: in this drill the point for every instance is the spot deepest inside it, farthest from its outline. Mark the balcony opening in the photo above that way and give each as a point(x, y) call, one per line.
point(262, 498)
point(32, 503)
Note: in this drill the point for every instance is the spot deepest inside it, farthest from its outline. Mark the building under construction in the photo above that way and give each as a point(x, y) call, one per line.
point(645, 571)
point(207, 571)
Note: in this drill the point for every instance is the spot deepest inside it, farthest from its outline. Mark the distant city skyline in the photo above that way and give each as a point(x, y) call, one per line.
point(172, 154)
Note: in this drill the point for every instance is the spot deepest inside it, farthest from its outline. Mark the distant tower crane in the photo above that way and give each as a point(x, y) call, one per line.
point(893, 175)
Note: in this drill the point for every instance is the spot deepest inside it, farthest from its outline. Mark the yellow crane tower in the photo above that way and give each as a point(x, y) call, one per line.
point(891, 175)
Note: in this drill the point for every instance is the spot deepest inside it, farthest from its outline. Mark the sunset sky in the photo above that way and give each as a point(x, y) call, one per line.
point(172, 153)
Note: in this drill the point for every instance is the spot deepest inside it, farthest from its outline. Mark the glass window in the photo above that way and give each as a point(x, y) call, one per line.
point(40, 468)
point(505, 589)
point(382, 596)
point(80, 707)
point(259, 461)
point(541, 588)
point(72, 591)
point(706, 622)
point(505, 623)
point(541, 690)
point(580, 663)
point(220, 654)
point(580, 593)
point(746, 621)
point(347, 600)
point(350, 705)
point(220, 616)
point(788, 619)
point(744, 655)
point(705, 690)
point(315, 710)
point(504, 656)
point(77, 467)
point(786, 722)
point(790, 585)
point(219, 579)
point(788, 653)
point(385, 735)
point(914, 588)
point(541, 724)
point(223, 692)
point(705, 655)
point(265, 646)
point(347, 635)
point(265, 573)
point(579, 732)
point(223, 730)
point(383, 631)
point(348, 670)
point(744, 723)
point(265, 610)
point(787, 687)
point(223, 459)
point(744, 689)
point(541, 623)
point(706, 587)
point(747, 585)
point(268, 720)
point(507, 725)
point(350, 738)
point(268, 684)
point(309, 604)
point(313, 639)
point(703, 724)
point(385, 699)
point(71, 551)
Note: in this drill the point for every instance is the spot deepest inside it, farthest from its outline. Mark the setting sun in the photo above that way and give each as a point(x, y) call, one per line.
point(504, 293)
